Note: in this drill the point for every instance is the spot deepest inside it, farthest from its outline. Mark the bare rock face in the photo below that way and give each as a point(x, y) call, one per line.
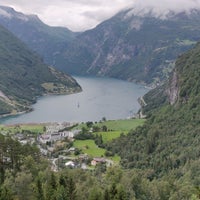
point(173, 90)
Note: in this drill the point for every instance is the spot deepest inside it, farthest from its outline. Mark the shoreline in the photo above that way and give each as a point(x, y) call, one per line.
point(129, 111)
point(30, 108)
point(15, 114)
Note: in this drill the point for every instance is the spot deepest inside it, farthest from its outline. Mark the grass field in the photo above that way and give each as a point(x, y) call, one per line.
point(117, 125)
point(110, 135)
point(122, 125)
point(18, 128)
point(89, 147)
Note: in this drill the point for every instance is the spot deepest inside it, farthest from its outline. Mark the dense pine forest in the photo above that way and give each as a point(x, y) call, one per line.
point(166, 149)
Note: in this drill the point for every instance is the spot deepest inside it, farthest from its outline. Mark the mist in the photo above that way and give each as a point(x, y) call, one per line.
point(81, 15)
point(162, 8)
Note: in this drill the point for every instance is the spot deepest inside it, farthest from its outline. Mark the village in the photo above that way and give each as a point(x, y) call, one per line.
point(56, 144)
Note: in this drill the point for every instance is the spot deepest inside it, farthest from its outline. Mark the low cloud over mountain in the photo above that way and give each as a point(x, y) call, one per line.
point(163, 8)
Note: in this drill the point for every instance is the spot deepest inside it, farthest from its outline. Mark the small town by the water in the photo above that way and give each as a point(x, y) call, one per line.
point(55, 142)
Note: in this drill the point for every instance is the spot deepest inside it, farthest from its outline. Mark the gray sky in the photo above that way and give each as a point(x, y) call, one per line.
point(79, 15)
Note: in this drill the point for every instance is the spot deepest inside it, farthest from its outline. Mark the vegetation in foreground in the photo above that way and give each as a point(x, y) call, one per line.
point(26, 175)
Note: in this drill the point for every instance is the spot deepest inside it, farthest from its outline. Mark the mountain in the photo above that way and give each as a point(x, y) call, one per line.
point(133, 47)
point(45, 40)
point(23, 76)
point(168, 144)
point(137, 46)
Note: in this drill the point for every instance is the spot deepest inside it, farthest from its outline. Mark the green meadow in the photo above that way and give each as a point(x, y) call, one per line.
point(109, 135)
point(115, 129)
point(33, 128)
point(89, 147)
point(122, 125)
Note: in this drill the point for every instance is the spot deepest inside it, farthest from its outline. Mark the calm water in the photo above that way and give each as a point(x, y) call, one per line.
point(101, 97)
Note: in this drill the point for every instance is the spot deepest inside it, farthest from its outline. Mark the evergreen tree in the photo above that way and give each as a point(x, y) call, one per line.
point(39, 190)
point(95, 194)
point(71, 189)
point(106, 195)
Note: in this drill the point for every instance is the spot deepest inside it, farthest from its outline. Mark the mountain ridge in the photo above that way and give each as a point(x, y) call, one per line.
point(46, 40)
point(127, 46)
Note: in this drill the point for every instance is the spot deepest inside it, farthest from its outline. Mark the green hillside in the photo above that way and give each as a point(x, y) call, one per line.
point(23, 76)
point(167, 146)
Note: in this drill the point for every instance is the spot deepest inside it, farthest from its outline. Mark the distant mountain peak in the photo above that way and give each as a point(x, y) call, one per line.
point(160, 12)
point(147, 12)
point(4, 13)
point(163, 9)
point(8, 12)
point(136, 16)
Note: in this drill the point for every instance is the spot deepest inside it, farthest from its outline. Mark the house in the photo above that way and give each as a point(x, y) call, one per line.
point(83, 166)
point(55, 136)
point(44, 138)
point(44, 152)
point(72, 149)
point(70, 164)
point(96, 161)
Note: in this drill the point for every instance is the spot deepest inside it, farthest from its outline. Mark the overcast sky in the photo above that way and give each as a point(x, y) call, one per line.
point(79, 15)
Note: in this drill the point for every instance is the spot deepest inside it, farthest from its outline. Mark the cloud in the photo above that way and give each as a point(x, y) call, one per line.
point(162, 8)
point(79, 15)
point(5, 14)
